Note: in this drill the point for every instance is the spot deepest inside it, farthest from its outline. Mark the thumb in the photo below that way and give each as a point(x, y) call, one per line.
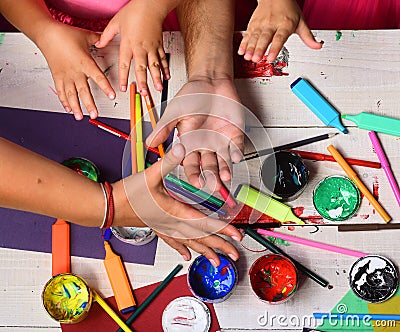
point(108, 34)
point(160, 133)
point(306, 35)
point(168, 163)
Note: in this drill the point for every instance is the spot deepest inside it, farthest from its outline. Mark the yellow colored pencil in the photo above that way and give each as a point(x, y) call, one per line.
point(139, 134)
point(352, 175)
point(110, 312)
point(150, 106)
point(132, 101)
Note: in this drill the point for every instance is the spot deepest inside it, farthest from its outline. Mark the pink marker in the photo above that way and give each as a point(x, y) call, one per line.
point(385, 164)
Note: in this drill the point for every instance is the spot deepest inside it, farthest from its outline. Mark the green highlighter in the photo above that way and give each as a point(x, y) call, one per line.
point(378, 123)
point(265, 204)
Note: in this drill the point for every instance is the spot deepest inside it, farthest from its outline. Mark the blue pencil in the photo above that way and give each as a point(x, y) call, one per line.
point(179, 190)
point(337, 316)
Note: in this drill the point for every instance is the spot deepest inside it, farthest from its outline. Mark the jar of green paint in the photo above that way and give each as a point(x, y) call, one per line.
point(336, 198)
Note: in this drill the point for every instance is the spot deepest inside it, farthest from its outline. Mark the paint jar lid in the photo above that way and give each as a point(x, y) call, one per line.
point(273, 278)
point(373, 278)
point(336, 198)
point(212, 284)
point(186, 313)
point(67, 298)
point(84, 167)
point(138, 236)
point(284, 175)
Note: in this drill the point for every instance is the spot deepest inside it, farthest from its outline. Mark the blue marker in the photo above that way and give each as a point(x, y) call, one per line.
point(316, 103)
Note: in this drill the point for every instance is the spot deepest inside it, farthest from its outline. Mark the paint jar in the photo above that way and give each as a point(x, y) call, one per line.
point(137, 236)
point(84, 167)
point(186, 313)
point(212, 284)
point(284, 175)
point(336, 198)
point(67, 298)
point(273, 278)
point(373, 278)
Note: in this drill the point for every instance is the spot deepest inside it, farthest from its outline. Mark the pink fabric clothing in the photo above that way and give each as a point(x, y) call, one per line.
point(352, 14)
point(95, 14)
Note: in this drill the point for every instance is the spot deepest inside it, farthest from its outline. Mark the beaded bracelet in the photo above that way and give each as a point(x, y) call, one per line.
point(109, 206)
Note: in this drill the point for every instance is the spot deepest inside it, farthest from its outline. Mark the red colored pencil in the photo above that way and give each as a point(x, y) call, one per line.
point(321, 156)
point(109, 129)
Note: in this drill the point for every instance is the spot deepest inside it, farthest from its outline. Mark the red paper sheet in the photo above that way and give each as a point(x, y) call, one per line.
point(149, 320)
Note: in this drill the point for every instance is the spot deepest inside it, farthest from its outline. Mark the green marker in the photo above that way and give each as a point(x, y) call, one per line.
point(265, 204)
point(379, 123)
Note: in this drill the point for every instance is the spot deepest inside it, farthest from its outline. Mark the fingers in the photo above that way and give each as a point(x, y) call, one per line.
point(108, 34)
point(178, 246)
point(140, 62)
point(164, 64)
point(124, 64)
point(191, 165)
point(160, 132)
point(209, 165)
point(306, 36)
point(155, 70)
point(279, 39)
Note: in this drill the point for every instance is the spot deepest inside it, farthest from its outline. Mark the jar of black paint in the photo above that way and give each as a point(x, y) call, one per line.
point(284, 175)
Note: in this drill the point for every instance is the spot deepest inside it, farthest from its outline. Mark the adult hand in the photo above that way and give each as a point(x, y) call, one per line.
point(210, 122)
point(272, 23)
point(66, 50)
point(140, 25)
point(143, 196)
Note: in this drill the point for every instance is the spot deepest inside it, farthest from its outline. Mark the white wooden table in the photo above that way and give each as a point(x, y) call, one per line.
point(359, 72)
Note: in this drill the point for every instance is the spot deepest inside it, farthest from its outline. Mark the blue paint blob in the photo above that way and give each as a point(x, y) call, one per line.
point(212, 284)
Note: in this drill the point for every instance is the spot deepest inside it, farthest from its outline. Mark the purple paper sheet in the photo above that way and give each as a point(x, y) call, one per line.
point(58, 136)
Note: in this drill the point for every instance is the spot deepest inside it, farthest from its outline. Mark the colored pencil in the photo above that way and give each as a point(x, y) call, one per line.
point(132, 106)
point(312, 243)
point(323, 157)
point(366, 227)
point(227, 197)
point(276, 250)
point(150, 107)
point(153, 295)
point(109, 129)
point(139, 134)
point(181, 191)
point(256, 154)
point(206, 196)
point(353, 176)
point(60, 247)
point(257, 225)
point(110, 312)
point(385, 164)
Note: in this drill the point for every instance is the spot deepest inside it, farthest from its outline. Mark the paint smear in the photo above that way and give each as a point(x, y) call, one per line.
point(375, 188)
point(2, 35)
point(338, 35)
point(249, 69)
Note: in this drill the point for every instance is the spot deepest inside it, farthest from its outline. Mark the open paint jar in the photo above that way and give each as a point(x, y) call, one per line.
point(373, 278)
point(336, 198)
point(186, 313)
point(284, 175)
point(67, 298)
point(138, 236)
point(273, 278)
point(84, 167)
point(212, 284)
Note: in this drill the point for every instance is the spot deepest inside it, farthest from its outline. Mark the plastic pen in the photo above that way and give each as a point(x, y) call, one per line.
point(375, 122)
point(385, 164)
point(353, 176)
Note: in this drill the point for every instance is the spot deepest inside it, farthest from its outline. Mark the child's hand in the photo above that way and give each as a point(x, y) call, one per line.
point(66, 50)
point(140, 26)
point(272, 23)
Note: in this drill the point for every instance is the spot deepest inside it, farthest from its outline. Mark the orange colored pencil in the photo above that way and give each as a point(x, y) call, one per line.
point(150, 106)
point(132, 102)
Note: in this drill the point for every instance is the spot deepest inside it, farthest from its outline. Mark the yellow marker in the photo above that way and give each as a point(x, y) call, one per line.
point(132, 106)
point(111, 312)
point(353, 176)
point(118, 280)
point(139, 134)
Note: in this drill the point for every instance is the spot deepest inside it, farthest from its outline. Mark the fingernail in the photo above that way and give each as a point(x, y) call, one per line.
point(143, 92)
point(97, 43)
point(186, 257)
point(167, 76)
point(213, 262)
point(92, 114)
point(123, 88)
point(67, 109)
point(233, 257)
point(236, 238)
point(240, 51)
point(111, 96)
point(159, 86)
point(78, 116)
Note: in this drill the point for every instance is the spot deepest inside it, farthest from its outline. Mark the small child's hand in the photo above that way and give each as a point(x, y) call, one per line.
point(140, 27)
point(272, 23)
point(66, 50)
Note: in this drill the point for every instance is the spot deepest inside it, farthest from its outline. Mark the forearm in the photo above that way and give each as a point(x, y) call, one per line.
point(207, 27)
point(33, 183)
point(29, 16)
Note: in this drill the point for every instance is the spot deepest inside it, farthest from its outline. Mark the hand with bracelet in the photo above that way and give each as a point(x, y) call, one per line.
point(31, 182)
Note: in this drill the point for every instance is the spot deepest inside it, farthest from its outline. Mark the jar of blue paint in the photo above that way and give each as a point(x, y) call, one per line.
point(212, 284)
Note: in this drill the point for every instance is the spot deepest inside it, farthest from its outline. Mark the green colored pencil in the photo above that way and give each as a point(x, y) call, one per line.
point(153, 295)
